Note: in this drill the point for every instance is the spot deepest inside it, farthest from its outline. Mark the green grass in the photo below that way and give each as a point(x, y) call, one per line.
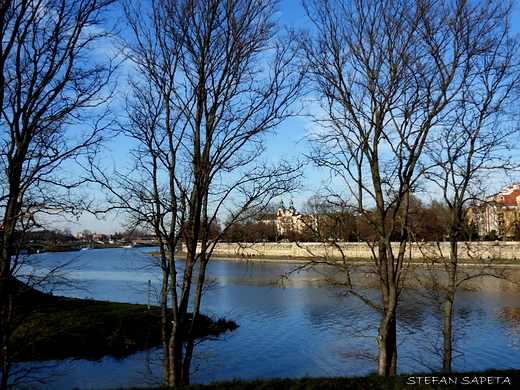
point(469, 380)
point(51, 327)
point(58, 327)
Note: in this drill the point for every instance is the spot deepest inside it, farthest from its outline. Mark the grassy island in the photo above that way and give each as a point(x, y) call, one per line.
point(53, 327)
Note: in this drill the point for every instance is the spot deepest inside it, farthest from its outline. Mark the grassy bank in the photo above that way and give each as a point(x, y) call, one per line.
point(52, 327)
point(486, 380)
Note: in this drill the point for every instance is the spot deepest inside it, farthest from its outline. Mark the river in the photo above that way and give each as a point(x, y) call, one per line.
point(288, 327)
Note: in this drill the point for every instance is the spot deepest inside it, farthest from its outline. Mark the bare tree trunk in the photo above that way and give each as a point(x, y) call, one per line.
point(447, 333)
point(387, 331)
point(451, 289)
point(190, 342)
point(387, 344)
point(6, 307)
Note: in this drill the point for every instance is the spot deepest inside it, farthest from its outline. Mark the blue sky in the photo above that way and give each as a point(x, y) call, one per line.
point(287, 142)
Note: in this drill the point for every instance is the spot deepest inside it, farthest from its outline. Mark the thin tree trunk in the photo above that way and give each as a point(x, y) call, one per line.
point(5, 329)
point(190, 343)
point(447, 331)
point(6, 277)
point(164, 323)
point(387, 341)
point(387, 345)
point(387, 336)
point(447, 335)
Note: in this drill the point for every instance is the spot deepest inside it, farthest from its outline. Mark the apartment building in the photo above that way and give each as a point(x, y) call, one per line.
point(499, 213)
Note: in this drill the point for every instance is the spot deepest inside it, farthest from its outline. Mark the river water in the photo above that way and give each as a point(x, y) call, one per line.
point(288, 327)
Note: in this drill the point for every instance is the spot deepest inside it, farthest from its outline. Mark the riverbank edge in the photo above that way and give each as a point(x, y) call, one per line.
point(477, 380)
point(60, 327)
point(483, 251)
point(351, 262)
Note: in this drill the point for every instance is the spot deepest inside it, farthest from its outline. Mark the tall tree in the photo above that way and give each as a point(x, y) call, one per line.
point(331, 222)
point(477, 140)
point(388, 74)
point(212, 78)
point(49, 74)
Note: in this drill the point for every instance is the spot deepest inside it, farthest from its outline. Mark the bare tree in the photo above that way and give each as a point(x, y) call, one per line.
point(211, 80)
point(331, 222)
point(48, 75)
point(477, 140)
point(255, 225)
point(430, 221)
point(388, 75)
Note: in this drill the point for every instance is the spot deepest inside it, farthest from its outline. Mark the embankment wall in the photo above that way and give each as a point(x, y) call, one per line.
point(360, 250)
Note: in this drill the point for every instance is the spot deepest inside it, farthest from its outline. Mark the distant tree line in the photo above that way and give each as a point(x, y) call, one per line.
point(429, 222)
point(55, 236)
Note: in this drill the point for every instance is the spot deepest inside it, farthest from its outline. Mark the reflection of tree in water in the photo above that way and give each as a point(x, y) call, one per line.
point(355, 325)
point(508, 318)
point(420, 320)
point(355, 328)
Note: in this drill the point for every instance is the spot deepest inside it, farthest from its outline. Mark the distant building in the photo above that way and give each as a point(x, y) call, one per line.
point(99, 237)
point(499, 213)
point(79, 236)
point(289, 220)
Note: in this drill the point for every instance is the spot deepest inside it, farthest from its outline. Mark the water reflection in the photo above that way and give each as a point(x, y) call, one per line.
point(295, 326)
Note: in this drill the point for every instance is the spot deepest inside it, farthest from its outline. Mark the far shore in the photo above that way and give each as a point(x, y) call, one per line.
point(352, 261)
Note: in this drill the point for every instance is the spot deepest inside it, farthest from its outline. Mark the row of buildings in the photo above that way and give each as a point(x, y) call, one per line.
point(498, 215)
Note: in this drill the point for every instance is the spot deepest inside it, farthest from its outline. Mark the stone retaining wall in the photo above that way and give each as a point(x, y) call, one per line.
point(360, 250)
